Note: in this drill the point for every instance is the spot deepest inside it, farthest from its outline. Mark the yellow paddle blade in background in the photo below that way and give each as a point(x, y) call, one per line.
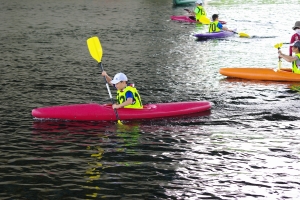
point(204, 20)
point(244, 35)
point(95, 48)
point(278, 46)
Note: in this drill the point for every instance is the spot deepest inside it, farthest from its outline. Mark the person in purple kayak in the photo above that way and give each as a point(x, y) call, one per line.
point(127, 94)
point(216, 26)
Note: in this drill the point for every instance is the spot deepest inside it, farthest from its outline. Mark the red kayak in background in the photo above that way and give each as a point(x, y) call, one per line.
point(190, 19)
point(98, 112)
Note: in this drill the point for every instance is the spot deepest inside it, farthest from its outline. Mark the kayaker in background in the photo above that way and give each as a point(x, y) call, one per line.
point(296, 36)
point(216, 26)
point(294, 59)
point(198, 11)
point(127, 94)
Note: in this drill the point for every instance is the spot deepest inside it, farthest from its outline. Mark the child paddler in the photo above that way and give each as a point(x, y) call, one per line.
point(127, 94)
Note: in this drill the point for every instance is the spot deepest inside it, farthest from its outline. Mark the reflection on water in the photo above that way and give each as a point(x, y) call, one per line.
point(94, 172)
point(130, 137)
point(114, 154)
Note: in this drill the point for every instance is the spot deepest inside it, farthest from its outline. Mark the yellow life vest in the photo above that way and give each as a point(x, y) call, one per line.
point(295, 68)
point(136, 102)
point(213, 27)
point(199, 10)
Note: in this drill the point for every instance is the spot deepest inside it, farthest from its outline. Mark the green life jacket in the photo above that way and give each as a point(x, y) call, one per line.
point(213, 27)
point(199, 10)
point(295, 68)
point(136, 102)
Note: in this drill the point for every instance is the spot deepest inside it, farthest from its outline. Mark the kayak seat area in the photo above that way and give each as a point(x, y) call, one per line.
point(146, 107)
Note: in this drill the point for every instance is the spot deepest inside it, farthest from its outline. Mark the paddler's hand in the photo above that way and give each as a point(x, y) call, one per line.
point(104, 73)
point(280, 54)
point(116, 106)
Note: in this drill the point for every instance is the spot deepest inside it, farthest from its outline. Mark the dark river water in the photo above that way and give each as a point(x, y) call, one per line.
point(246, 147)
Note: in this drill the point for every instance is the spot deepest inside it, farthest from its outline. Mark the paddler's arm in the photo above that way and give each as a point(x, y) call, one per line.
point(108, 79)
point(125, 103)
point(287, 57)
point(224, 28)
point(194, 13)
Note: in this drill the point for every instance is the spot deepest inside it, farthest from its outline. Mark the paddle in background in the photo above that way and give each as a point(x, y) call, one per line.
point(242, 34)
point(204, 20)
point(278, 46)
point(95, 50)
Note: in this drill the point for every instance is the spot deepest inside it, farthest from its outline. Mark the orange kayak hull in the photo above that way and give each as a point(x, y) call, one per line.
point(263, 74)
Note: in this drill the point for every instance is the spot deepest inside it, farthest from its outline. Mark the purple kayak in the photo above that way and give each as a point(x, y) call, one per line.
point(185, 18)
point(214, 35)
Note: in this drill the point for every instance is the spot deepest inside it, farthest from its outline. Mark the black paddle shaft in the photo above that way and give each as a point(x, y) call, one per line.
point(107, 86)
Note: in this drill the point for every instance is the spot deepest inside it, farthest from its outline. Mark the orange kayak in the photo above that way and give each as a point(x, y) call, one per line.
point(264, 74)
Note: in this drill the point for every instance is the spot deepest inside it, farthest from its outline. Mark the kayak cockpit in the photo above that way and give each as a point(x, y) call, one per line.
point(145, 107)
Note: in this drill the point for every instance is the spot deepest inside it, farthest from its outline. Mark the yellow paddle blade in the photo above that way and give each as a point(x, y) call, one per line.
point(204, 20)
point(244, 35)
point(119, 122)
point(277, 46)
point(95, 48)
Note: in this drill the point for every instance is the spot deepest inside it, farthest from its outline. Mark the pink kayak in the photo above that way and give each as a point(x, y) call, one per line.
point(185, 18)
point(97, 112)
